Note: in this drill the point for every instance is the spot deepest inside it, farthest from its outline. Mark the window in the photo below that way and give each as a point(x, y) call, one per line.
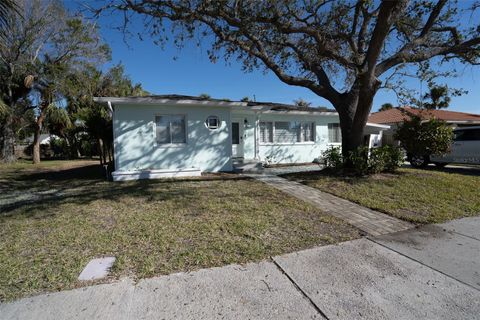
point(266, 132)
point(212, 122)
point(287, 132)
point(467, 135)
point(334, 133)
point(235, 133)
point(170, 129)
point(308, 131)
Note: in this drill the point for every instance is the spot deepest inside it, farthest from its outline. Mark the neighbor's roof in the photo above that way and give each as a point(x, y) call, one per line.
point(210, 101)
point(398, 114)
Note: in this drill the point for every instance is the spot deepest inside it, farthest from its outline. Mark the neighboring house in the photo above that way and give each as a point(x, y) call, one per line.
point(394, 117)
point(44, 138)
point(172, 135)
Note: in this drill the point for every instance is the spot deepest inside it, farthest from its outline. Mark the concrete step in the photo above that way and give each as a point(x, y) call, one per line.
point(247, 165)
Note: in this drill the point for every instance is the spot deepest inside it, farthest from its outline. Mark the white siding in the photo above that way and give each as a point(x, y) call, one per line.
point(136, 147)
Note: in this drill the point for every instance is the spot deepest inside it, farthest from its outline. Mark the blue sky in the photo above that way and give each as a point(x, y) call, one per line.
point(192, 73)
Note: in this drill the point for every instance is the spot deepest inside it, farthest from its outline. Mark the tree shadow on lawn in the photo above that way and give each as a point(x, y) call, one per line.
point(83, 185)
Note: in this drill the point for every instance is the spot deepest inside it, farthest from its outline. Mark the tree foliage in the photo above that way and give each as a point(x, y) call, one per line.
point(439, 97)
point(302, 103)
point(424, 137)
point(43, 42)
point(386, 106)
point(343, 51)
point(80, 88)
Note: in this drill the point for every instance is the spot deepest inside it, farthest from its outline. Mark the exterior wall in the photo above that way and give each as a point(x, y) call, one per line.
point(135, 141)
point(299, 152)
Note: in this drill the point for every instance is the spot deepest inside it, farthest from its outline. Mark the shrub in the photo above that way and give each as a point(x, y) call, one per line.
point(393, 158)
point(365, 161)
point(424, 138)
point(360, 161)
point(332, 158)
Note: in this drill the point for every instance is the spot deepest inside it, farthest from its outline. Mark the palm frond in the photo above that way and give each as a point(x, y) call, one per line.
point(7, 9)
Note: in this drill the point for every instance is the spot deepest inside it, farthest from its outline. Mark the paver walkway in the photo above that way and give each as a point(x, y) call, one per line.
point(370, 221)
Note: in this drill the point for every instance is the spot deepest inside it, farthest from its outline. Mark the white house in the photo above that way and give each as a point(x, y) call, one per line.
point(172, 135)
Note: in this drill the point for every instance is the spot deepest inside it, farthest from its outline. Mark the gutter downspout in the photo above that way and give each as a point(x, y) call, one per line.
point(109, 104)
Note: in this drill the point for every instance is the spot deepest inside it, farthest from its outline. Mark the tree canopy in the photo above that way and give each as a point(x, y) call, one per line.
point(343, 51)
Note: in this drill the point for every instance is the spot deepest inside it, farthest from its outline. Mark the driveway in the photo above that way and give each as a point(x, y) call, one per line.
point(431, 272)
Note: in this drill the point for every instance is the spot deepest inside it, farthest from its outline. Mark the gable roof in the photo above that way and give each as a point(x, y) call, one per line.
point(398, 114)
point(208, 101)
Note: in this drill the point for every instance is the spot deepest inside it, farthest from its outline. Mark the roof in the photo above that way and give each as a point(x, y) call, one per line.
point(183, 99)
point(398, 114)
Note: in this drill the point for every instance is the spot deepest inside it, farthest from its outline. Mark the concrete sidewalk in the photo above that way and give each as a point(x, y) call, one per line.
point(427, 273)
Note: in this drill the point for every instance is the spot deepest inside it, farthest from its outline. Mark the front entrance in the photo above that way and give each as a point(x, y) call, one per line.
point(237, 138)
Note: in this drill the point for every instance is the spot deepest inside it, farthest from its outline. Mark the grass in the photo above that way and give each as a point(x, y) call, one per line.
point(419, 196)
point(55, 218)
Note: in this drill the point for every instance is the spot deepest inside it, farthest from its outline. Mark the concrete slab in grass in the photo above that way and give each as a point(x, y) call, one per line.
point(446, 251)
point(467, 226)
point(253, 291)
point(363, 280)
point(106, 301)
point(97, 269)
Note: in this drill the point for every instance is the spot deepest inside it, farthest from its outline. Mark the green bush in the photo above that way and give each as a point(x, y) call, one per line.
point(332, 158)
point(360, 161)
point(393, 158)
point(424, 138)
point(365, 161)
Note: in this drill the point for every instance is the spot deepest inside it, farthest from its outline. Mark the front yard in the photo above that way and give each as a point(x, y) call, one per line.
point(419, 196)
point(56, 217)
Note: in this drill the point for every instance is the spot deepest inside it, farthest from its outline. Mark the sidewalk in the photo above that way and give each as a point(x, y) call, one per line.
point(427, 273)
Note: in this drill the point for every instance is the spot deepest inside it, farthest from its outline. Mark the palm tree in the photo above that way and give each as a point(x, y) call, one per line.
point(7, 8)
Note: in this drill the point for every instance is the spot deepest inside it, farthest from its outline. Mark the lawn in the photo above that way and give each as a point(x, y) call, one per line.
point(56, 217)
point(419, 196)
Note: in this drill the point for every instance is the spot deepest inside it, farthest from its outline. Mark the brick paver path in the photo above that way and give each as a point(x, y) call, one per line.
point(370, 221)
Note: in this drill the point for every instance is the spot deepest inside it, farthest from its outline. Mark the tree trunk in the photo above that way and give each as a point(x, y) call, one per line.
point(36, 145)
point(100, 150)
point(8, 147)
point(353, 111)
point(36, 136)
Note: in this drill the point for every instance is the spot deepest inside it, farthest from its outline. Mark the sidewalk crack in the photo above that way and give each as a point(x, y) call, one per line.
point(304, 294)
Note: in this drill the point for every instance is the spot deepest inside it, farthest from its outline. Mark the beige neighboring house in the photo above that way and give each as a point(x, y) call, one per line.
point(394, 117)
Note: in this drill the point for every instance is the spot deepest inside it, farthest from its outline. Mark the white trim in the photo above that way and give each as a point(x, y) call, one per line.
point(150, 101)
point(377, 125)
point(155, 174)
point(235, 105)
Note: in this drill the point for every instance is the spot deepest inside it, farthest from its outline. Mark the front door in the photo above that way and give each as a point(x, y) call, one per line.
point(237, 139)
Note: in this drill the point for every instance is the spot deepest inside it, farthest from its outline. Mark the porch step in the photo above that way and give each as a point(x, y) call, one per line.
point(246, 165)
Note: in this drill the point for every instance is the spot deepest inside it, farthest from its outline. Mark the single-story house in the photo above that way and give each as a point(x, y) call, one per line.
point(173, 135)
point(395, 116)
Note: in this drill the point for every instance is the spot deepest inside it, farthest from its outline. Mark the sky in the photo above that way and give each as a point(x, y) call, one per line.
point(190, 72)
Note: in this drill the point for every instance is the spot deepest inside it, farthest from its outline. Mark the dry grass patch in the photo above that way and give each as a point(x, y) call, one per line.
point(419, 196)
point(152, 227)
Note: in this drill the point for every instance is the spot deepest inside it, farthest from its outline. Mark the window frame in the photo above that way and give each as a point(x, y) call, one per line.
point(469, 133)
point(272, 133)
point(328, 133)
point(314, 133)
point(219, 123)
point(170, 144)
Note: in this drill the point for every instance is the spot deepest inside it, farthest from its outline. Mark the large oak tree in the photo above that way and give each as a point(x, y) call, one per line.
point(342, 50)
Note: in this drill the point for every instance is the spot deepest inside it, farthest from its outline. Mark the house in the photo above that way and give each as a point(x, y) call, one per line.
point(173, 135)
point(395, 116)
